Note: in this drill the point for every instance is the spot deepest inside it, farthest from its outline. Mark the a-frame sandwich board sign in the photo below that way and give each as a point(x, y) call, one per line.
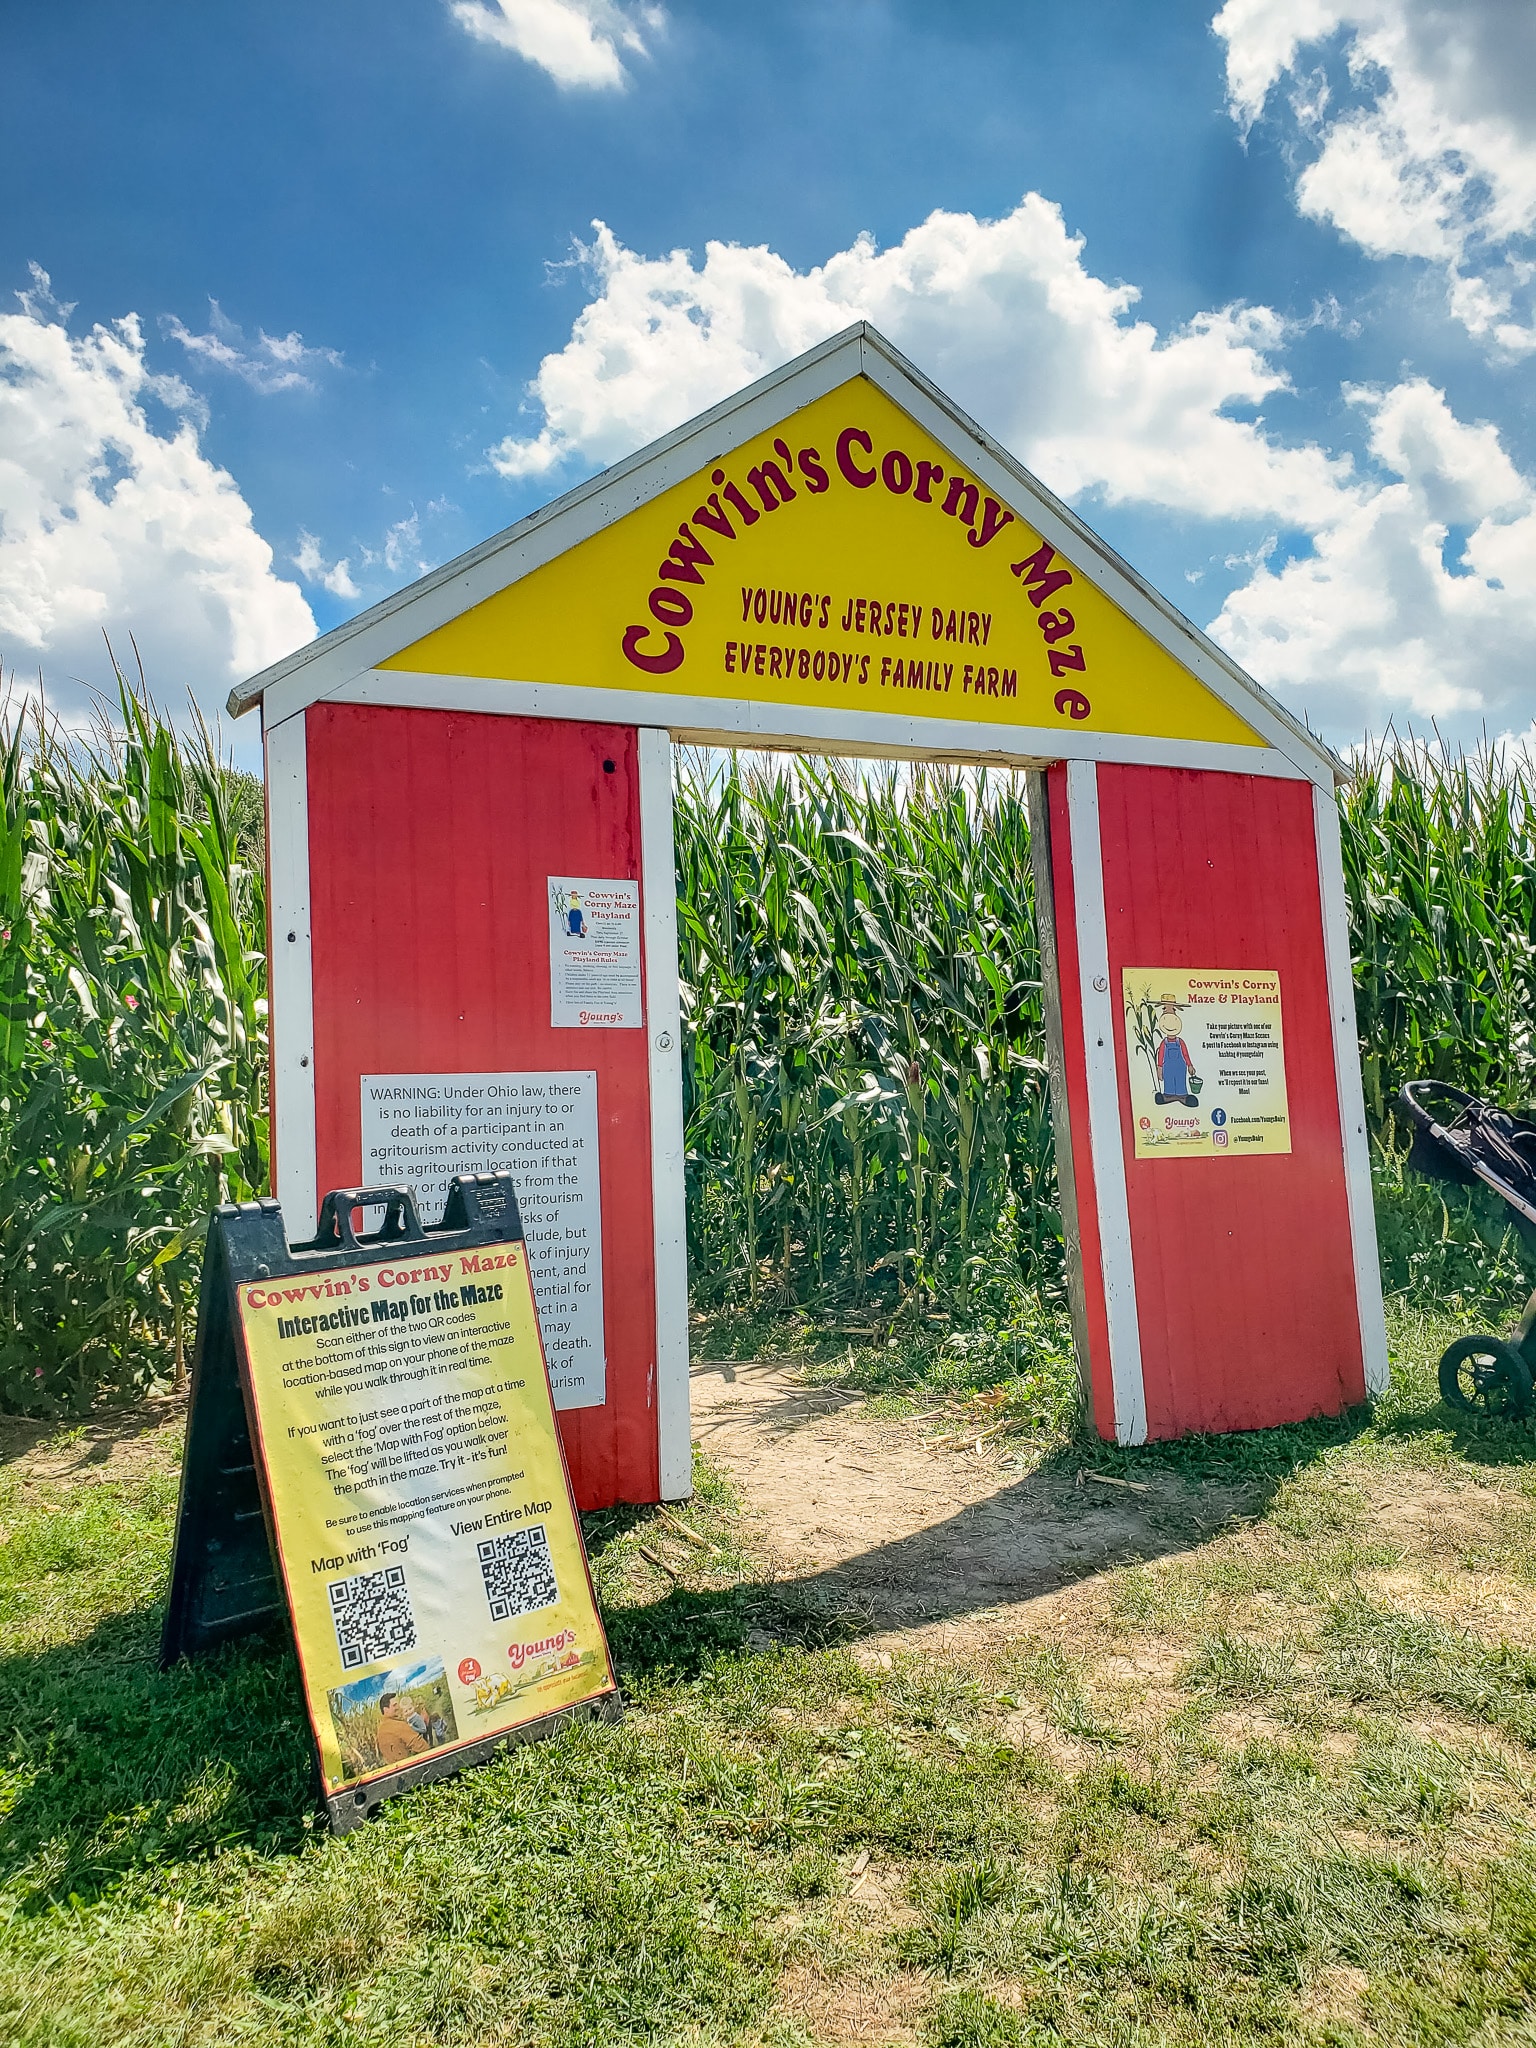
point(372, 1449)
point(835, 559)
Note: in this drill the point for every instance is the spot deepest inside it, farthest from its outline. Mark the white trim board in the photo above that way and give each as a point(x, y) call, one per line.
point(292, 978)
point(1101, 1030)
point(386, 629)
point(749, 722)
point(1346, 1067)
point(1042, 862)
point(663, 1025)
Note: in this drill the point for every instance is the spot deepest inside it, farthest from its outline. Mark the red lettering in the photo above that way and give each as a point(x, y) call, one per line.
point(712, 516)
point(993, 520)
point(961, 493)
point(816, 478)
point(685, 558)
point(1036, 573)
point(749, 512)
point(849, 439)
point(771, 484)
point(654, 664)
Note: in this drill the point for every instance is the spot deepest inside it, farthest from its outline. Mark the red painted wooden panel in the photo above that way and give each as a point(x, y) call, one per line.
point(1245, 1281)
point(431, 838)
point(1065, 894)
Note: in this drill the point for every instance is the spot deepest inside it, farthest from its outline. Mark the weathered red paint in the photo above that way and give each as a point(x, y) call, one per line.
point(1245, 1282)
point(432, 837)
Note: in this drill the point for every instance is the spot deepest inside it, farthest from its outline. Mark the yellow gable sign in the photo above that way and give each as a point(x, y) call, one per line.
point(842, 560)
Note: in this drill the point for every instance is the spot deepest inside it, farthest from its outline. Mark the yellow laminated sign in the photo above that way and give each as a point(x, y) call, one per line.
point(1205, 1054)
point(421, 1512)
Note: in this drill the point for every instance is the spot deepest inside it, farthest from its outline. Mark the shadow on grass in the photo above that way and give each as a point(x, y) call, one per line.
point(117, 1767)
point(1480, 1440)
point(94, 1439)
point(1085, 1508)
point(114, 1766)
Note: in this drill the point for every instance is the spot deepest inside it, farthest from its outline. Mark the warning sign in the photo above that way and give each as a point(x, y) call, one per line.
point(419, 1130)
point(1205, 1050)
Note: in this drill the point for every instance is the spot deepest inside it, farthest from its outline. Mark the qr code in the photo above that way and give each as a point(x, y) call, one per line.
point(373, 1617)
point(518, 1572)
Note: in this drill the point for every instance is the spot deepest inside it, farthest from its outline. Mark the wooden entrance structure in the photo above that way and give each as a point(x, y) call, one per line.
point(836, 560)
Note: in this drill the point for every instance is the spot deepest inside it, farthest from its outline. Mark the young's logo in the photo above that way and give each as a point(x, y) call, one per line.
point(523, 1653)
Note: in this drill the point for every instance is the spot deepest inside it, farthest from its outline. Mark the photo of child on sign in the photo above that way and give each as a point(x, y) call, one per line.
point(393, 1717)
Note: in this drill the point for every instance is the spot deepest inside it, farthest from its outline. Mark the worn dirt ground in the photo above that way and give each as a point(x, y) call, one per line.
point(912, 1528)
point(1240, 1750)
point(111, 1445)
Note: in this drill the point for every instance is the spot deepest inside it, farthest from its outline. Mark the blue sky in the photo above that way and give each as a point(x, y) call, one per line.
point(322, 303)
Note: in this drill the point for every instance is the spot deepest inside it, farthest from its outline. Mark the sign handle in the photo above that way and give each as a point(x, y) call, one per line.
point(401, 1220)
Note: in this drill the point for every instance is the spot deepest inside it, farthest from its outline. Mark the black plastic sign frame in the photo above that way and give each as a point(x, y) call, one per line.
point(232, 1571)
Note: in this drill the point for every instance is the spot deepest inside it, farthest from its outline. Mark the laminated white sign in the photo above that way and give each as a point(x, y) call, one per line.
point(420, 1129)
point(594, 953)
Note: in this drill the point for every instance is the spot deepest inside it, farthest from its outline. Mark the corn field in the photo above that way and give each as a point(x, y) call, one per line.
point(867, 1116)
point(132, 1049)
point(866, 1101)
point(1440, 865)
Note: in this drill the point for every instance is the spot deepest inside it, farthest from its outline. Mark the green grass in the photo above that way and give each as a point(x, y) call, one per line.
point(1273, 1786)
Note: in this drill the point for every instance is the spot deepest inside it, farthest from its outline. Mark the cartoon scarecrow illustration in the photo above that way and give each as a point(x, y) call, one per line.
point(1177, 1080)
point(576, 924)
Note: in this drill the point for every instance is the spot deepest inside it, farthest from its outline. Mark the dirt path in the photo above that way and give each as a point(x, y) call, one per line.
point(874, 1517)
point(869, 1518)
point(112, 1444)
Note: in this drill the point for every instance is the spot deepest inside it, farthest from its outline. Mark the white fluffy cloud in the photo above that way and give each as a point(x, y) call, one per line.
point(110, 524)
point(1419, 598)
point(273, 362)
point(336, 577)
point(399, 552)
point(1008, 318)
point(580, 43)
point(1433, 156)
point(1004, 314)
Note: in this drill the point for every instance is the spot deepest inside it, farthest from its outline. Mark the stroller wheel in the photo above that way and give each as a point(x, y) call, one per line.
point(1485, 1373)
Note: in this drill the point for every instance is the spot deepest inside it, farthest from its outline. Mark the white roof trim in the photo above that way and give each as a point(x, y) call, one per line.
point(350, 650)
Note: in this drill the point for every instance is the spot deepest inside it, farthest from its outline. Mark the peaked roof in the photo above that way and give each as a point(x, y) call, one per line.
point(396, 623)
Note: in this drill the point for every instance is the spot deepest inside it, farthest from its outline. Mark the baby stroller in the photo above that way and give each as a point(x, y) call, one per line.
point(1458, 1138)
